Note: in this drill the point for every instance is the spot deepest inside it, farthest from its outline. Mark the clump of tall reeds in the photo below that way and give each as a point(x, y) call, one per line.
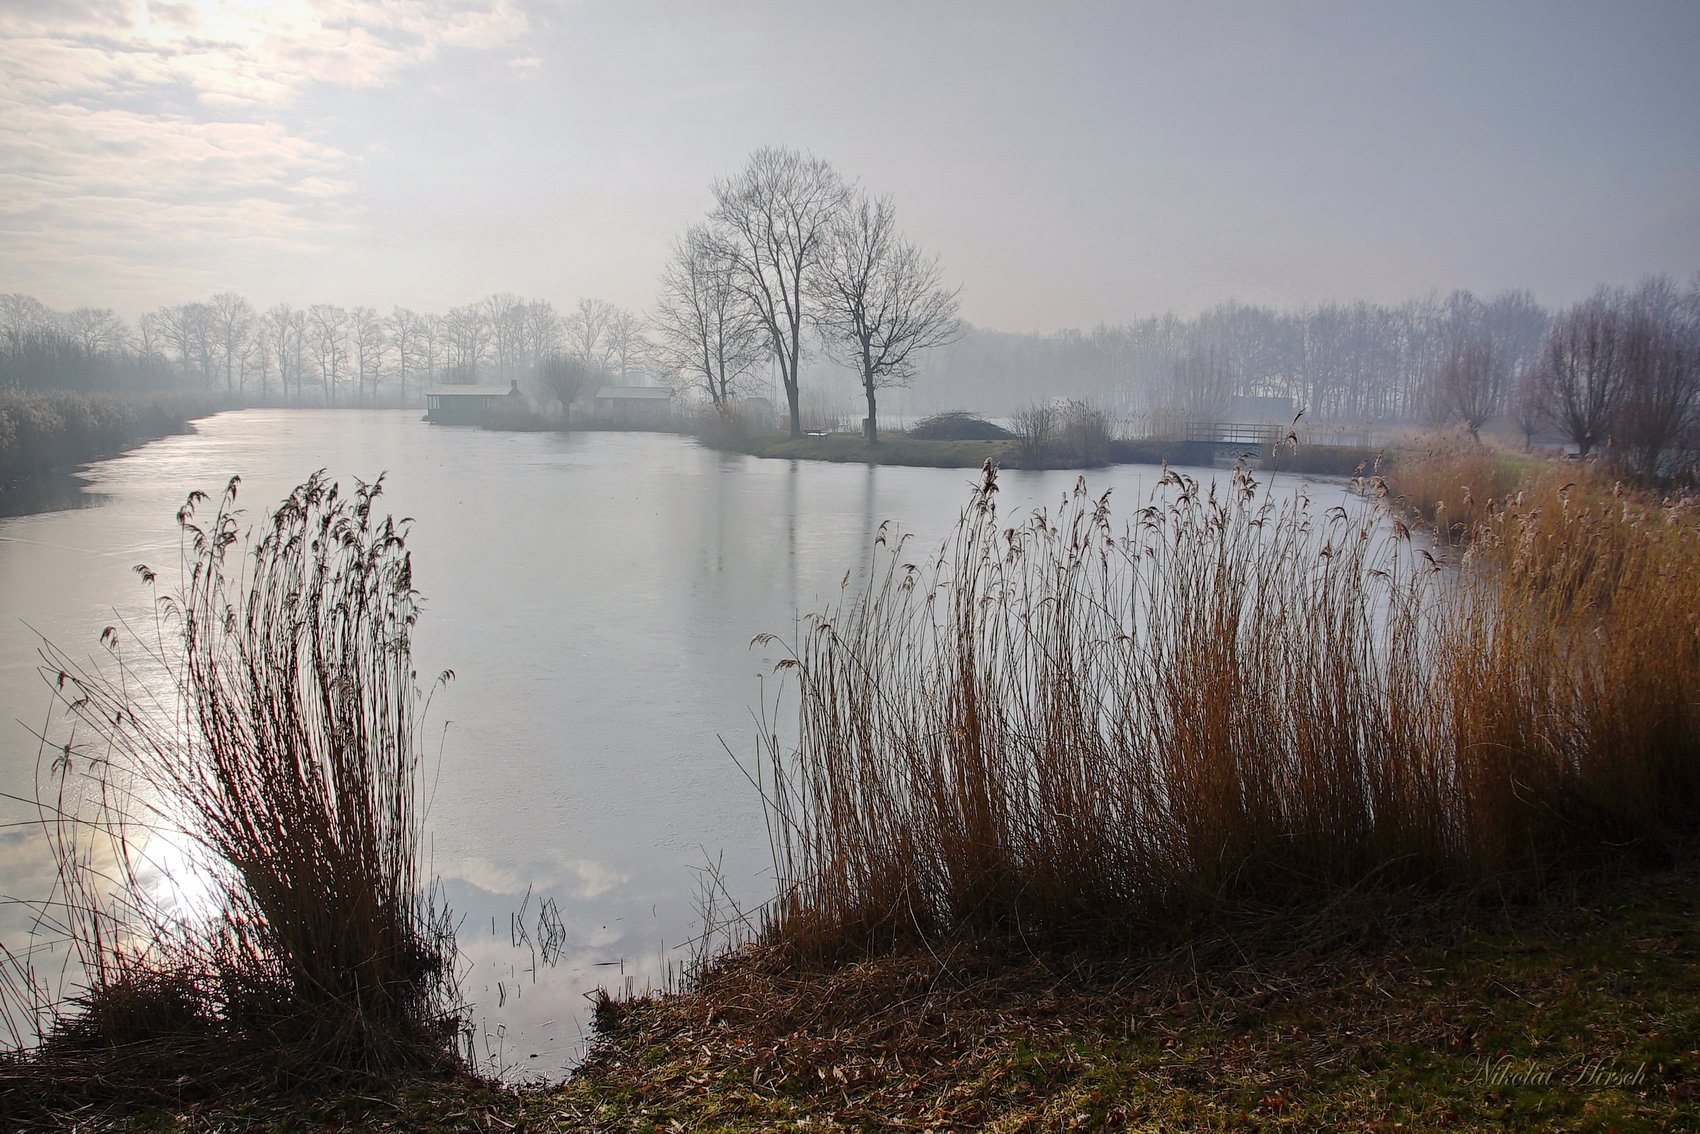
point(1448, 480)
point(235, 810)
point(1063, 729)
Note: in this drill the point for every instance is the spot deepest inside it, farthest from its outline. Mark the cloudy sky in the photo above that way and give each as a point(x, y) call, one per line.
point(1071, 162)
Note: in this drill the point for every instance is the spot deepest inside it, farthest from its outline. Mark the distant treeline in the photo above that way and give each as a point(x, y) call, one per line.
point(1617, 373)
point(45, 430)
point(321, 354)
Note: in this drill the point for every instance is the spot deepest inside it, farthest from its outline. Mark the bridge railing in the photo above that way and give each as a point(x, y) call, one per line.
point(1233, 433)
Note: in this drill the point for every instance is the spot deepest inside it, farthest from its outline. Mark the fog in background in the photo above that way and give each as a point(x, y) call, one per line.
point(1070, 165)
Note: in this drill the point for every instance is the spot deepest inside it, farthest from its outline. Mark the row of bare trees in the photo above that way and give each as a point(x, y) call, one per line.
point(792, 252)
point(1622, 370)
point(1359, 362)
point(319, 353)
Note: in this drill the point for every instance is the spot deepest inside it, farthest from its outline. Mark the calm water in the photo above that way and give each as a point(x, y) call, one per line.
point(595, 594)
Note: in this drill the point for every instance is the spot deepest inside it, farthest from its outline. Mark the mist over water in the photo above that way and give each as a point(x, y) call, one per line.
point(595, 595)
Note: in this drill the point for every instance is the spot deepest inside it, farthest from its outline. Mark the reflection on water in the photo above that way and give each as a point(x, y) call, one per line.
point(596, 596)
point(50, 492)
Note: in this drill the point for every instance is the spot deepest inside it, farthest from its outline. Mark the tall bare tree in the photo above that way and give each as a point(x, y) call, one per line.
point(542, 332)
point(466, 333)
point(706, 336)
point(1472, 381)
point(882, 301)
point(287, 329)
point(257, 359)
point(587, 332)
point(1660, 351)
point(627, 347)
point(430, 344)
point(404, 331)
point(98, 330)
point(328, 341)
point(775, 215)
point(1583, 369)
point(505, 314)
point(232, 319)
point(371, 345)
point(19, 315)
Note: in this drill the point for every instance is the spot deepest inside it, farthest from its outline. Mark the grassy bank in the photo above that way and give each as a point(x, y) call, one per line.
point(893, 449)
point(1576, 1014)
point(58, 429)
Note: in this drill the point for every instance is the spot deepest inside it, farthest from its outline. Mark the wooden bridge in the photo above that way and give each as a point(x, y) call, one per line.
point(1230, 440)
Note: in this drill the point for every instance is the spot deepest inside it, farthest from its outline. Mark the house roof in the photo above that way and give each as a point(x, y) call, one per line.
point(454, 390)
point(634, 393)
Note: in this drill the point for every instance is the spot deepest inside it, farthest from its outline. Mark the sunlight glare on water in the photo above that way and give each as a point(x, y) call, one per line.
point(596, 596)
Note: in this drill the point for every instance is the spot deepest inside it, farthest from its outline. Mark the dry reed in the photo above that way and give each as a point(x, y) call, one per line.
point(236, 814)
point(1064, 731)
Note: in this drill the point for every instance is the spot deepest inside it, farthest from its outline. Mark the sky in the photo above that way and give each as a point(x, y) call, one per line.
point(1071, 163)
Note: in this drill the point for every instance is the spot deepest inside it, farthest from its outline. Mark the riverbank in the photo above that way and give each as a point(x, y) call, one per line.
point(896, 449)
point(50, 432)
point(1581, 1013)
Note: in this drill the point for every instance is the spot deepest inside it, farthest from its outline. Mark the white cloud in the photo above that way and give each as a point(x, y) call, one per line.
point(133, 123)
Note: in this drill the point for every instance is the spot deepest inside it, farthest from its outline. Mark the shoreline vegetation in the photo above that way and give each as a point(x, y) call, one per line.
point(286, 937)
point(1072, 437)
point(1222, 814)
point(50, 431)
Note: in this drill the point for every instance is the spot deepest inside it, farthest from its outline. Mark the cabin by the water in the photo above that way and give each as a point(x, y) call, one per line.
point(465, 403)
point(633, 407)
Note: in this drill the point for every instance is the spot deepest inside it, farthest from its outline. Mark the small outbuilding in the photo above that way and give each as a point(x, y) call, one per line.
point(465, 403)
point(634, 407)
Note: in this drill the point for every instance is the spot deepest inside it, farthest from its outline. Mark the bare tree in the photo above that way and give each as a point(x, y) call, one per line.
point(566, 376)
point(404, 330)
point(542, 329)
point(150, 337)
point(232, 320)
point(586, 332)
point(430, 332)
point(1529, 404)
point(466, 332)
point(706, 336)
point(328, 340)
point(627, 347)
point(98, 330)
point(1661, 375)
point(258, 357)
point(371, 344)
point(19, 315)
point(775, 215)
point(504, 312)
point(1583, 370)
point(1471, 383)
point(883, 302)
point(288, 334)
point(187, 329)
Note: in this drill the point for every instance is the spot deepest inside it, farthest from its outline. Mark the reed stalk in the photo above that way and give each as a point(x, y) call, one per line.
point(234, 803)
point(1067, 730)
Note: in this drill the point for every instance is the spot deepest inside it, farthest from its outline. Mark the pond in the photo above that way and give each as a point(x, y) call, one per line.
point(596, 595)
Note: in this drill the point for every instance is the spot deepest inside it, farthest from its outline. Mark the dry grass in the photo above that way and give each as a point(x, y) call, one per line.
point(1448, 482)
point(286, 935)
point(1067, 731)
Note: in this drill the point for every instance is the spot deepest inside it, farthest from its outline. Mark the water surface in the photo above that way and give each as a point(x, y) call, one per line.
point(595, 594)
